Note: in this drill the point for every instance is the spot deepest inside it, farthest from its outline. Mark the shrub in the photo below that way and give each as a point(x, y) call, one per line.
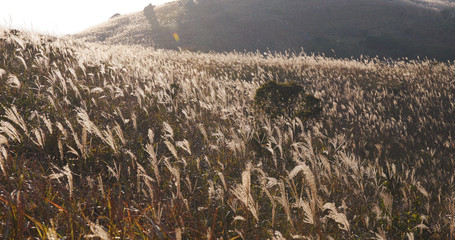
point(115, 15)
point(286, 99)
point(150, 14)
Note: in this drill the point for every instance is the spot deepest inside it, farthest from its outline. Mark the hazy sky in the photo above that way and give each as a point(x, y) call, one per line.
point(61, 17)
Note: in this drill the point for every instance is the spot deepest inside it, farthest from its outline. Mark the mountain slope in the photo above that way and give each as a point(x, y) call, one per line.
point(387, 28)
point(127, 142)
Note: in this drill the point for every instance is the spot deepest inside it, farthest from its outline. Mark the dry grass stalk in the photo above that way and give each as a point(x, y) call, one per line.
point(243, 192)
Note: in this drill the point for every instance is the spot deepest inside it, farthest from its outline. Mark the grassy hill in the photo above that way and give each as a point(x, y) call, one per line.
point(134, 143)
point(343, 28)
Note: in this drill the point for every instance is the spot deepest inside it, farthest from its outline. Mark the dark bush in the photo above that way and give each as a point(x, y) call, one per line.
point(150, 14)
point(286, 99)
point(115, 15)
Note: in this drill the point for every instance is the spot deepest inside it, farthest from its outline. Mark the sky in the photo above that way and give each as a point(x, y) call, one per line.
point(60, 17)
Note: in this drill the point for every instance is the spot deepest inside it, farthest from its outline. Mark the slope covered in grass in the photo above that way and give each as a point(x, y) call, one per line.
point(129, 142)
point(342, 28)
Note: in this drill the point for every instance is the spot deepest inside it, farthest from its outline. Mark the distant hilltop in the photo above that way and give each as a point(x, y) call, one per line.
point(343, 28)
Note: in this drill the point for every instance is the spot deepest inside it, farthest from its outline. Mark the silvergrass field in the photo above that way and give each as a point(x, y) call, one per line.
point(128, 142)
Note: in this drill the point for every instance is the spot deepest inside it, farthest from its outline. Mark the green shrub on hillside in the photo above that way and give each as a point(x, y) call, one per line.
point(287, 99)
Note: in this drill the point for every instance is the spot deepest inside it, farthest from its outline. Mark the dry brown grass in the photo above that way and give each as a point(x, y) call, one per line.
point(128, 142)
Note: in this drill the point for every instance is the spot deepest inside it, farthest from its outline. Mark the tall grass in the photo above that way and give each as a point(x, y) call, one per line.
point(128, 142)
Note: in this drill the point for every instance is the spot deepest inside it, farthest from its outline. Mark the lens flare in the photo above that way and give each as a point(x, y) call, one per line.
point(176, 37)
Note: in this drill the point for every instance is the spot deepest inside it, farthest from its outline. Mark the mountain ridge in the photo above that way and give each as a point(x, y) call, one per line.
point(384, 28)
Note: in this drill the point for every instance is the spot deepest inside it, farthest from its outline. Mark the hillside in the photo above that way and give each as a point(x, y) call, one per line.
point(108, 142)
point(343, 28)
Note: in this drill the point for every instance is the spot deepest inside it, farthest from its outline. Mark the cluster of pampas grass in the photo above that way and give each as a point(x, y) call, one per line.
point(110, 142)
